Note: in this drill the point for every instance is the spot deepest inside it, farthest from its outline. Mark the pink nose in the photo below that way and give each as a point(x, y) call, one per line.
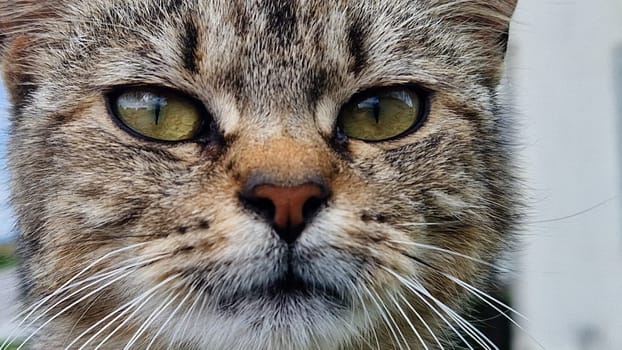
point(287, 208)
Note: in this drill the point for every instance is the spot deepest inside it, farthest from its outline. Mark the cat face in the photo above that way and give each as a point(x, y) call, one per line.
point(205, 174)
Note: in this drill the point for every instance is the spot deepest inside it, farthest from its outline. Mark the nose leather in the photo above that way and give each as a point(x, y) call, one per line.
point(288, 201)
point(287, 208)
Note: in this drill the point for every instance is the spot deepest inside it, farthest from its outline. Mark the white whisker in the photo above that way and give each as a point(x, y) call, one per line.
point(181, 303)
point(122, 310)
point(167, 301)
point(392, 320)
point(451, 252)
point(129, 317)
point(422, 320)
point(99, 277)
point(71, 306)
point(426, 224)
point(414, 289)
point(471, 330)
point(383, 315)
point(489, 300)
point(33, 308)
point(368, 317)
point(184, 323)
point(48, 309)
point(103, 277)
point(485, 297)
point(405, 316)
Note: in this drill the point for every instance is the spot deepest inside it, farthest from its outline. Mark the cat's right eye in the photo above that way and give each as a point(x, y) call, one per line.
point(382, 114)
point(158, 114)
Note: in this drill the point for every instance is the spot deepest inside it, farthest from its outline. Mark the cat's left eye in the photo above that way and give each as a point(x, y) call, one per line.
point(382, 114)
point(158, 114)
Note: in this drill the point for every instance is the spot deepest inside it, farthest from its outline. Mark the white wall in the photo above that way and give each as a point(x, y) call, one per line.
point(570, 272)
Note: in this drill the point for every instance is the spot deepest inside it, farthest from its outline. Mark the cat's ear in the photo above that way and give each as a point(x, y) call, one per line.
point(488, 20)
point(20, 33)
point(485, 24)
point(495, 16)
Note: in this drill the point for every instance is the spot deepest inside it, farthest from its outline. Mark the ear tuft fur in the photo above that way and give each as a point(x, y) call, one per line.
point(15, 16)
point(20, 21)
point(486, 22)
point(489, 18)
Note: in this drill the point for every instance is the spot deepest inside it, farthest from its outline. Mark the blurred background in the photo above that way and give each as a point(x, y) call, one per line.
point(565, 79)
point(565, 70)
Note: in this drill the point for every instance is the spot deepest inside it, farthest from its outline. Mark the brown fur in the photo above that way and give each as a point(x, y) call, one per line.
point(273, 75)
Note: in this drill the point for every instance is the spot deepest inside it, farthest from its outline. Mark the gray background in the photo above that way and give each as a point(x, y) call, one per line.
point(563, 68)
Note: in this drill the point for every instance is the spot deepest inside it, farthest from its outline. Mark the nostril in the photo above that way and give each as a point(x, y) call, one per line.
point(312, 206)
point(262, 206)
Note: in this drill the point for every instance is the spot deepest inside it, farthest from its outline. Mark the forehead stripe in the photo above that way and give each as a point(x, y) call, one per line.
point(356, 46)
point(189, 47)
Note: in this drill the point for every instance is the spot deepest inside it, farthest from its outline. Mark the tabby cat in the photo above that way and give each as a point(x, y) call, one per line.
point(268, 174)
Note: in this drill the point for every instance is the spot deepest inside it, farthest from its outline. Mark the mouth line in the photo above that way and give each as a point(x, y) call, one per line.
point(288, 288)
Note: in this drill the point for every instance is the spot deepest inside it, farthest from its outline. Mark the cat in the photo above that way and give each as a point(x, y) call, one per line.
point(270, 174)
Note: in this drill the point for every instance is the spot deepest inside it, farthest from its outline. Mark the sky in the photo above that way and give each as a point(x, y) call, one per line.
point(7, 231)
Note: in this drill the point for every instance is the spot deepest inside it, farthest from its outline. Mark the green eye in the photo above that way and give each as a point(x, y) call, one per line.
point(158, 114)
point(381, 115)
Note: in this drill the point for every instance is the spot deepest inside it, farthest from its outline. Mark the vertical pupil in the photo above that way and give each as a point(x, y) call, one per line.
point(157, 112)
point(373, 104)
point(159, 102)
point(377, 111)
